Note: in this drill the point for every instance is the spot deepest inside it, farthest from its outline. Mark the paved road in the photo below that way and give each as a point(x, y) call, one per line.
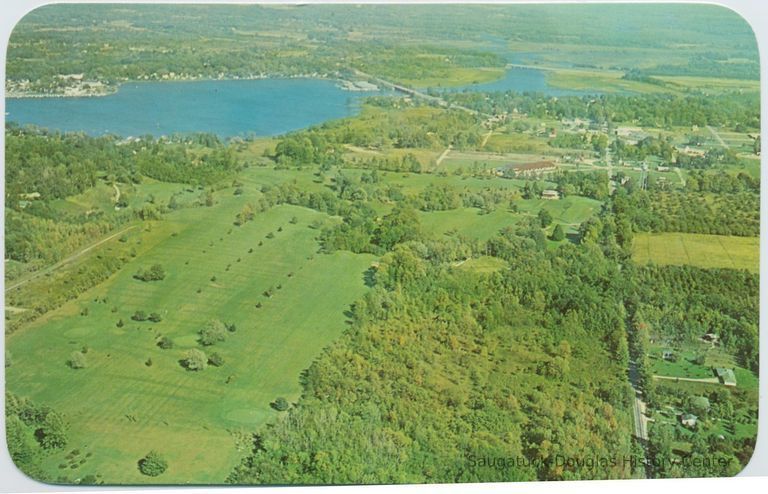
point(67, 260)
point(524, 66)
point(609, 166)
point(416, 93)
point(639, 417)
point(711, 380)
point(638, 405)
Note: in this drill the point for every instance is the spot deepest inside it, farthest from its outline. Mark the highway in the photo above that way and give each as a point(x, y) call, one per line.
point(416, 93)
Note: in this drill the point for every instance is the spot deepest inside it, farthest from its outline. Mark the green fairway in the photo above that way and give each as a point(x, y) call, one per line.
point(570, 211)
point(484, 264)
point(468, 222)
point(120, 408)
point(707, 251)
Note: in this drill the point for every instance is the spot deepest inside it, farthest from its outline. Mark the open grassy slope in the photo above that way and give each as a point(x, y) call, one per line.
point(120, 408)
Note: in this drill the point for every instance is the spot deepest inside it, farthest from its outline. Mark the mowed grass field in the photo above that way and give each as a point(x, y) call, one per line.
point(468, 222)
point(707, 251)
point(120, 408)
point(569, 211)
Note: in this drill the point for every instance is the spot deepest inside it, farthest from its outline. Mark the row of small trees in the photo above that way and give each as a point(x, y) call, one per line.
point(156, 272)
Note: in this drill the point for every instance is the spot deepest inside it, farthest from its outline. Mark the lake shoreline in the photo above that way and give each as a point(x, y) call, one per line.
point(106, 89)
point(227, 107)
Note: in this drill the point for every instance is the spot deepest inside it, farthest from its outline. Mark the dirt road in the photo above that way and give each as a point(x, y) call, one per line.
point(66, 260)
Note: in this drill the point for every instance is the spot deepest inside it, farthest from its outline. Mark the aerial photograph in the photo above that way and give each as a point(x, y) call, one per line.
point(328, 244)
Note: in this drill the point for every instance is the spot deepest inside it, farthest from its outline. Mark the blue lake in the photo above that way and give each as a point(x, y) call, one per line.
point(520, 80)
point(263, 107)
point(227, 108)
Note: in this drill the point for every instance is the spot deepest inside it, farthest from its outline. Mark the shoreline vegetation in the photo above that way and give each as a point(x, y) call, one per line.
point(94, 89)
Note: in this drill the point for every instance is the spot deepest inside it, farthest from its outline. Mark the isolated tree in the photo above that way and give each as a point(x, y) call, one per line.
point(195, 360)
point(558, 234)
point(280, 404)
point(207, 198)
point(213, 332)
point(245, 215)
point(153, 464)
point(699, 405)
point(155, 317)
point(77, 360)
point(545, 218)
point(165, 343)
point(157, 272)
point(215, 360)
point(139, 315)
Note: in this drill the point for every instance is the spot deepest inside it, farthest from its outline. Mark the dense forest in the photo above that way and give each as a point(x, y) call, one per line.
point(651, 110)
point(694, 212)
point(505, 343)
point(483, 356)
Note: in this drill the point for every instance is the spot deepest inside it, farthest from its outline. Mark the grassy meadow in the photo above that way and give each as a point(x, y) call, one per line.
point(707, 251)
point(124, 407)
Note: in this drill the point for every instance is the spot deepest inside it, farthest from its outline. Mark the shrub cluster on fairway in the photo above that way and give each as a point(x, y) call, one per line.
point(280, 404)
point(165, 343)
point(216, 360)
point(153, 464)
point(154, 273)
point(195, 360)
point(77, 360)
point(213, 332)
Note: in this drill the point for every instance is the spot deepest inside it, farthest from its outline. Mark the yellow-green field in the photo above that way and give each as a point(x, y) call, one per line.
point(611, 81)
point(706, 251)
point(456, 76)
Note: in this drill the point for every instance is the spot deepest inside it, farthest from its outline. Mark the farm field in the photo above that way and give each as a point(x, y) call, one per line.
point(119, 399)
point(607, 81)
point(707, 251)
